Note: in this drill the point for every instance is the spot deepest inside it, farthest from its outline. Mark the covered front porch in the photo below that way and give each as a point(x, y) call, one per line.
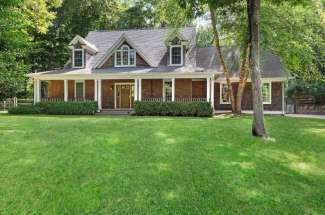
point(120, 93)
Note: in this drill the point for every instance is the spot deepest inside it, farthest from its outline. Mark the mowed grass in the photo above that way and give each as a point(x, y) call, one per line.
point(152, 165)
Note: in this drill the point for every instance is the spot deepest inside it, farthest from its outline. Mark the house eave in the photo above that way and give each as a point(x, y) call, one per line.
point(84, 43)
point(126, 75)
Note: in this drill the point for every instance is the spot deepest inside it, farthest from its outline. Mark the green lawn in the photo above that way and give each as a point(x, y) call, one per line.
point(139, 165)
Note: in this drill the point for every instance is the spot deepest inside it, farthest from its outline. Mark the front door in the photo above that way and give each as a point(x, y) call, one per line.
point(124, 96)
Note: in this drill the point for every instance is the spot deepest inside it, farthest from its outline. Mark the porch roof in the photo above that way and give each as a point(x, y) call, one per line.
point(126, 72)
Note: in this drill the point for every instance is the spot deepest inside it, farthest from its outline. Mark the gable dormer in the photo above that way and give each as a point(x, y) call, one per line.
point(177, 47)
point(125, 56)
point(124, 53)
point(81, 51)
point(176, 52)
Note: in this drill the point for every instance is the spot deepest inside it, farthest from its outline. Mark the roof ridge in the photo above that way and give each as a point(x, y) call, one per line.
point(140, 29)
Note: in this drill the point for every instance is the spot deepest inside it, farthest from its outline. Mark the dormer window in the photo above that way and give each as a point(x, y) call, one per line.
point(78, 58)
point(176, 55)
point(125, 57)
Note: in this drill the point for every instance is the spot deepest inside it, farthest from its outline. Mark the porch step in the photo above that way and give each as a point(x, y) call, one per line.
point(115, 112)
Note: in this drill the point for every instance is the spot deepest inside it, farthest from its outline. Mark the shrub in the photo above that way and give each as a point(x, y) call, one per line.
point(69, 108)
point(59, 108)
point(25, 110)
point(201, 109)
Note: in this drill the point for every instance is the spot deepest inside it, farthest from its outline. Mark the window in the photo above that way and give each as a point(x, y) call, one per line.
point(167, 90)
point(224, 95)
point(266, 93)
point(79, 89)
point(176, 55)
point(78, 58)
point(44, 89)
point(125, 57)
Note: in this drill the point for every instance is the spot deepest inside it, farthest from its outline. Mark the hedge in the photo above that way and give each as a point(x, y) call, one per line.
point(69, 108)
point(201, 109)
point(33, 109)
point(59, 108)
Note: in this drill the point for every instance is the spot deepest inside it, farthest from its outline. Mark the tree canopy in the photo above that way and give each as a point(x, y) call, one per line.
point(19, 21)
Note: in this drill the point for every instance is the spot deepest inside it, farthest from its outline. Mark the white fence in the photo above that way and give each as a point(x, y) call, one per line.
point(14, 102)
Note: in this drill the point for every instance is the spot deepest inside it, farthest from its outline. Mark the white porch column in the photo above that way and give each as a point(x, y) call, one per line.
point(208, 89)
point(35, 91)
point(140, 89)
point(212, 92)
point(38, 90)
point(66, 90)
point(95, 90)
point(136, 82)
point(99, 94)
point(173, 89)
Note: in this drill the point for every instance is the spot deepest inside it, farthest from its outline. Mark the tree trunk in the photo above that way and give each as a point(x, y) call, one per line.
point(221, 58)
point(243, 75)
point(253, 8)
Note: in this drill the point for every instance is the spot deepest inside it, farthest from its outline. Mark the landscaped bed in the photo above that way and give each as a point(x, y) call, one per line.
point(160, 165)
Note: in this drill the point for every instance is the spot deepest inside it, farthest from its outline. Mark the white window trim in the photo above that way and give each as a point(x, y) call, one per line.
point(170, 55)
point(75, 88)
point(263, 82)
point(121, 51)
point(163, 89)
point(221, 101)
point(83, 58)
point(270, 89)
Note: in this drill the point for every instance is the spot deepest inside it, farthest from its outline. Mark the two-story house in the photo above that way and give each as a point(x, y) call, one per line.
point(116, 68)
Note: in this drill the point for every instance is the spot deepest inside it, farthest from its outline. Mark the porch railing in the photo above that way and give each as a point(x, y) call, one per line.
point(177, 99)
point(52, 99)
point(153, 99)
point(60, 99)
point(190, 99)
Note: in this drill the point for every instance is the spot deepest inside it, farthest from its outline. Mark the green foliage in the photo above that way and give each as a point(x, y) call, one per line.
point(201, 109)
point(293, 30)
point(69, 108)
point(139, 15)
point(296, 34)
point(316, 89)
point(204, 37)
point(171, 13)
point(32, 109)
point(19, 21)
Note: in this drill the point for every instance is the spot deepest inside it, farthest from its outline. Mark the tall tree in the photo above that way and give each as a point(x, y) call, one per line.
point(299, 41)
point(253, 11)
point(221, 56)
point(19, 20)
point(196, 8)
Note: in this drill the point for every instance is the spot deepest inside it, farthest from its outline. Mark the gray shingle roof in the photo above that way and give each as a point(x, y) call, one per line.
point(207, 58)
point(151, 42)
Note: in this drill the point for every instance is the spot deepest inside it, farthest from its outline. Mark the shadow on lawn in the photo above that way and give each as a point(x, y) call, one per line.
point(207, 177)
